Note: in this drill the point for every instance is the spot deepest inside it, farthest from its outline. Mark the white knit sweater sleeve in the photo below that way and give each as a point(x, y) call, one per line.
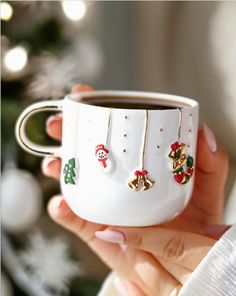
point(215, 275)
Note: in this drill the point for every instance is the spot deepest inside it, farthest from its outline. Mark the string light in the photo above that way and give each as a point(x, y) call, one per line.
point(6, 11)
point(16, 59)
point(74, 10)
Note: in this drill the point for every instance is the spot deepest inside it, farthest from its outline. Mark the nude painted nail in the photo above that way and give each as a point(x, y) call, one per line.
point(57, 202)
point(210, 138)
point(111, 236)
point(46, 162)
point(52, 118)
point(121, 286)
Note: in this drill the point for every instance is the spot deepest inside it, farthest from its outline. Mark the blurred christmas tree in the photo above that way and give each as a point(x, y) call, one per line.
point(41, 59)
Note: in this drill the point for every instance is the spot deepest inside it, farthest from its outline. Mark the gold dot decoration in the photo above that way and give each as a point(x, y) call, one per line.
point(125, 135)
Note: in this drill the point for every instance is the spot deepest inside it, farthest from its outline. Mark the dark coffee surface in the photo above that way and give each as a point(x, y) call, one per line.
point(132, 106)
point(123, 103)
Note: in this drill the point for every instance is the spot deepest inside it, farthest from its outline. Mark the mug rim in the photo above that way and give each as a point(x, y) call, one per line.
point(175, 101)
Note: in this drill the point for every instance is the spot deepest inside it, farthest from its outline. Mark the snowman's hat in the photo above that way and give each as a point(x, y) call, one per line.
point(101, 147)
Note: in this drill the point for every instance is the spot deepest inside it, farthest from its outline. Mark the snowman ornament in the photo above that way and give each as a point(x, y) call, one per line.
point(102, 154)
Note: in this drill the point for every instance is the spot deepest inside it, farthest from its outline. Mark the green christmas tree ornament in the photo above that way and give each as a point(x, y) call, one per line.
point(69, 172)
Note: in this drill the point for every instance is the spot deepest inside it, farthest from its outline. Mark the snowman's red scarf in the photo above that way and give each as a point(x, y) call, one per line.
point(103, 162)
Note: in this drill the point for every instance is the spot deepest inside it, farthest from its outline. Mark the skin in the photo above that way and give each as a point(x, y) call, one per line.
point(153, 260)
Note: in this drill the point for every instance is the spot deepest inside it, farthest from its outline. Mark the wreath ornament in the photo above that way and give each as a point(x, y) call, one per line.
point(183, 164)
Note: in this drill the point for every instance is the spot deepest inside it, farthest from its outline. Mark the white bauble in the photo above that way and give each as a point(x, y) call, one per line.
point(6, 288)
point(21, 200)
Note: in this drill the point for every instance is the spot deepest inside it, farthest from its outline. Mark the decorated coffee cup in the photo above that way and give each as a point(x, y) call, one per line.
point(127, 157)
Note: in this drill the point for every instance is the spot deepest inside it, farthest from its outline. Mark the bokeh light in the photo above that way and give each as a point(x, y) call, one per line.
point(16, 59)
point(6, 11)
point(74, 10)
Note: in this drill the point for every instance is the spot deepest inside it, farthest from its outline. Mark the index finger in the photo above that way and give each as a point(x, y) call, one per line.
point(54, 122)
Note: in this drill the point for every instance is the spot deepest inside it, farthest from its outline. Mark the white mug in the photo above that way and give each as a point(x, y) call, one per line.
point(127, 157)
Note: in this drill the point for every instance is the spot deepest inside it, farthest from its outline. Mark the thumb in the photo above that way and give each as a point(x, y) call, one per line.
point(210, 177)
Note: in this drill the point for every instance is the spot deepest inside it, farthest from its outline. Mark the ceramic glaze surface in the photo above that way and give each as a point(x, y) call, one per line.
point(106, 198)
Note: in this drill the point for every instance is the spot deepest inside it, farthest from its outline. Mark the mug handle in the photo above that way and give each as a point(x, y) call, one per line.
point(23, 140)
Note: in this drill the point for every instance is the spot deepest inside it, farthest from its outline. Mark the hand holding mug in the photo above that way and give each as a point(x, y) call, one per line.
point(159, 276)
point(204, 209)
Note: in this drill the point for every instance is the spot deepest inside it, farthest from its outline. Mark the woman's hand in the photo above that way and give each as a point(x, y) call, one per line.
point(154, 275)
point(177, 252)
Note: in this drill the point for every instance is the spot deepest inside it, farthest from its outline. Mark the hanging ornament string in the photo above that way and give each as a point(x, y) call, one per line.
point(141, 181)
point(180, 123)
point(144, 139)
point(102, 152)
point(108, 127)
point(183, 164)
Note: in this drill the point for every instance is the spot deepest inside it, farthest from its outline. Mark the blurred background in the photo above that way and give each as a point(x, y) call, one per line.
point(185, 48)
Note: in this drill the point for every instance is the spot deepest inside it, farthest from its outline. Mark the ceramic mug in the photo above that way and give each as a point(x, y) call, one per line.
point(127, 157)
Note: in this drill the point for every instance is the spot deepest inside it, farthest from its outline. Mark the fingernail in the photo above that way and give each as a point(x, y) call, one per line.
point(111, 236)
point(57, 201)
point(210, 138)
point(53, 118)
point(47, 162)
point(121, 286)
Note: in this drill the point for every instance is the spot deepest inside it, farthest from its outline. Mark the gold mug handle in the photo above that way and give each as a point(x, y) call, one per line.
point(21, 136)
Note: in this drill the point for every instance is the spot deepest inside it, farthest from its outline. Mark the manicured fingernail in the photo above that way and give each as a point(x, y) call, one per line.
point(57, 201)
point(53, 118)
point(111, 236)
point(121, 286)
point(210, 138)
point(47, 162)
